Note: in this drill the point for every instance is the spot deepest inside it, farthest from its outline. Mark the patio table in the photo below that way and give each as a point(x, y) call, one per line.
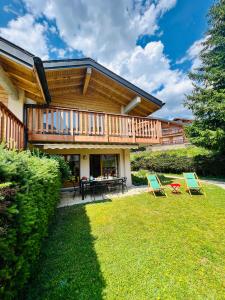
point(102, 181)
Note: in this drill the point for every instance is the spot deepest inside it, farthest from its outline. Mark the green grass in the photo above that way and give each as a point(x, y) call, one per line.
point(136, 247)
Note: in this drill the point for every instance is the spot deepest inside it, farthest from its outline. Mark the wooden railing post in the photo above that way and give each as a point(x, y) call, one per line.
point(133, 130)
point(3, 127)
point(159, 130)
point(71, 122)
point(106, 127)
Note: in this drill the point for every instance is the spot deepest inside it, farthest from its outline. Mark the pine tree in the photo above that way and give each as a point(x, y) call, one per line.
point(207, 100)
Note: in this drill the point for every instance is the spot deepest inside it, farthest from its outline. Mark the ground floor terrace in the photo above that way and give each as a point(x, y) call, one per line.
point(85, 161)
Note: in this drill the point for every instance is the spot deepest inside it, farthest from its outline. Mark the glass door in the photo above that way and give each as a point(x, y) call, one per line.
point(105, 165)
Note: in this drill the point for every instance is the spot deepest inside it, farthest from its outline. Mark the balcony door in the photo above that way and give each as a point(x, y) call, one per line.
point(95, 165)
point(104, 165)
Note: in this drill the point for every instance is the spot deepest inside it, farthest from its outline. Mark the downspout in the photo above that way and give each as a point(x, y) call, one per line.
point(25, 129)
point(39, 68)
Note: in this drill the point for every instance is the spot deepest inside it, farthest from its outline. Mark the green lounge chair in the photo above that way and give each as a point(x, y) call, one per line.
point(192, 183)
point(154, 184)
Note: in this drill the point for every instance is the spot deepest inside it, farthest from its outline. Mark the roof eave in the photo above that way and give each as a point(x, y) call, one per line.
point(87, 62)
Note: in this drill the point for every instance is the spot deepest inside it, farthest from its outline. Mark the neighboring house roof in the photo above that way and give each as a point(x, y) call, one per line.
point(183, 120)
point(29, 60)
point(166, 121)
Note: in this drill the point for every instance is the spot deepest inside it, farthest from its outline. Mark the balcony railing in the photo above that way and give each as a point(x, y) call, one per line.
point(11, 129)
point(57, 124)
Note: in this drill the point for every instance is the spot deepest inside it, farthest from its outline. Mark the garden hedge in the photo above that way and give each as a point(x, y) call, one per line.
point(205, 165)
point(29, 192)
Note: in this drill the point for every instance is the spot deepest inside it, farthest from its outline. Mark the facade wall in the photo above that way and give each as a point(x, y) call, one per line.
point(3, 96)
point(124, 159)
point(16, 105)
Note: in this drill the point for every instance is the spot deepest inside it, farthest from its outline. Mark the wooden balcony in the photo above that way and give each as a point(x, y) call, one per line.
point(11, 129)
point(57, 124)
point(172, 131)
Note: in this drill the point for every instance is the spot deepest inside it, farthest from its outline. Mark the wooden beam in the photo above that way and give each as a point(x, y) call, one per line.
point(26, 87)
point(87, 80)
point(132, 104)
point(17, 74)
point(39, 83)
point(33, 97)
point(7, 84)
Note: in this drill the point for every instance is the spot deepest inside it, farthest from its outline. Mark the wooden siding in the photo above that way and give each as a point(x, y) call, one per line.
point(90, 101)
point(3, 96)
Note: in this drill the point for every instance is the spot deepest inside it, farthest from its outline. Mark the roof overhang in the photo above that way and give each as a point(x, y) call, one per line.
point(88, 62)
point(28, 60)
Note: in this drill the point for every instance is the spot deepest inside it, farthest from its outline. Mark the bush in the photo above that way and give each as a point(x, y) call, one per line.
point(164, 162)
point(64, 167)
point(139, 178)
point(29, 192)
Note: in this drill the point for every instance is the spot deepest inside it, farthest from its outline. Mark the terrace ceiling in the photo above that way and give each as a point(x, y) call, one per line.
point(67, 81)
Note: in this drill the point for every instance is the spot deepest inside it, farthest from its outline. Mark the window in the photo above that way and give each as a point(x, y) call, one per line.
point(104, 165)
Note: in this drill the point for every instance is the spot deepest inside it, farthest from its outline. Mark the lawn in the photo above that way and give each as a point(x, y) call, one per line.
point(135, 247)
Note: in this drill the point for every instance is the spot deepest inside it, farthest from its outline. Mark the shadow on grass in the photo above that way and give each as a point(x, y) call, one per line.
point(68, 267)
point(165, 180)
point(142, 180)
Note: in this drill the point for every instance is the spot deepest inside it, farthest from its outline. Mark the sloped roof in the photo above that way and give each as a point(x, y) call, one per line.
point(30, 61)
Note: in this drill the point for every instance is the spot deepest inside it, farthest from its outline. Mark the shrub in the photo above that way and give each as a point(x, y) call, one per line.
point(64, 167)
point(29, 192)
point(205, 164)
point(139, 178)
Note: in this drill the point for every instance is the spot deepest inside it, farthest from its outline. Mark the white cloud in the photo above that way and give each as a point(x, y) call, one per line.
point(102, 29)
point(108, 31)
point(28, 34)
point(61, 53)
point(192, 54)
point(150, 69)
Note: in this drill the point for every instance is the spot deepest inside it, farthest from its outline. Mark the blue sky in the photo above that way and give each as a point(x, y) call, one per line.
point(152, 43)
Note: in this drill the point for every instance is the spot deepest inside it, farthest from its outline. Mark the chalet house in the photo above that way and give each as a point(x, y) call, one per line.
point(172, 134)
point(76, 108)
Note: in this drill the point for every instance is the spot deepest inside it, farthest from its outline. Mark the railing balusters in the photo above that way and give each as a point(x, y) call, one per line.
point(109, 127)
point(11, 129)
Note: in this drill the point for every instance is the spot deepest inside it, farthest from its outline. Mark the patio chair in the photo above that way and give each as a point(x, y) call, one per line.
point(192, 183)
point(124, 183)
point(98, 188)
point(154, 185)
